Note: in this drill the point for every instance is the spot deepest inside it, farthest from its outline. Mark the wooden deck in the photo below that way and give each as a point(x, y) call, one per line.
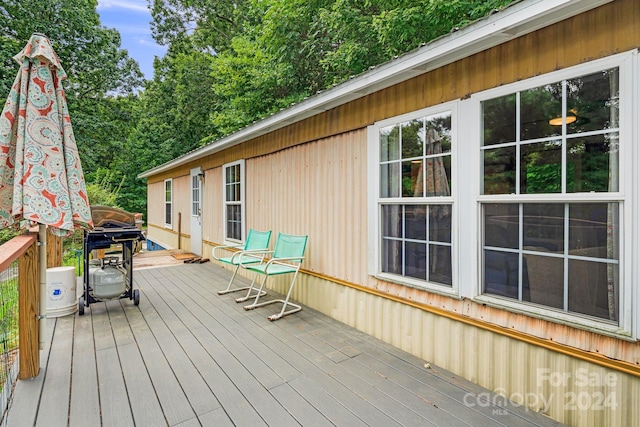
point(188, 357)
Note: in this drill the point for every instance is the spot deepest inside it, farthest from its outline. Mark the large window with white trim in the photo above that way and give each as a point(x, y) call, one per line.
point(414, 199)
point(524, 203)
point(551, 205)
point(233, 194)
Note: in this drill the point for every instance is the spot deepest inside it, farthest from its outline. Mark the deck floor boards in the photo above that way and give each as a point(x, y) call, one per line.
point(84, 410)
point(189, 357)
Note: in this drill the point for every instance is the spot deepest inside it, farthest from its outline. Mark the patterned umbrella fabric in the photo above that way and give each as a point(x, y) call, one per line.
point(432, 181)
point(41, 177)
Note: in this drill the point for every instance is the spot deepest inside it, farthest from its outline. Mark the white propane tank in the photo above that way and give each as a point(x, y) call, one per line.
point(107, 281)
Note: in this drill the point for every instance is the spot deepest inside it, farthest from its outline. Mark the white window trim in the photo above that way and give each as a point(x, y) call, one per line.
point(628, 196)
point(467, 200)
point(243, 231)
point(165, 202)
point(373, 189)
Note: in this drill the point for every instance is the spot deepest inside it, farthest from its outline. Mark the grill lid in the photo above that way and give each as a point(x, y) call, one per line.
point(108, 217)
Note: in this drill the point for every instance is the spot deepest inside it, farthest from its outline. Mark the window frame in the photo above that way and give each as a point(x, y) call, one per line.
point(467, 201)
point(626, 197)
point(375, 202)
point(168, 203)
point(241, 203)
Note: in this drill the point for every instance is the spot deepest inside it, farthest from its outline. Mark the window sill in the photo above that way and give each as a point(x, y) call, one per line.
point(419, 284)
point(572, 320)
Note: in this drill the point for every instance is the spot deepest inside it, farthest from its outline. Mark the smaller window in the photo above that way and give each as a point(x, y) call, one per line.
point(167, 202)
point(415, 199)
point(233, 194)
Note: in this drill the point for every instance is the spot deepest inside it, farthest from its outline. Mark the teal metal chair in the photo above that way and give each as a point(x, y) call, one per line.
point(252, 252)
point(286, 258)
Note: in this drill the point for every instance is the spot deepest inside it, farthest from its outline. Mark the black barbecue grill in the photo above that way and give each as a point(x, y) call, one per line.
point(110, 276)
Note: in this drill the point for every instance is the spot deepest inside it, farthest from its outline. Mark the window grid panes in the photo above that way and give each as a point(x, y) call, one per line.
point(195, 195)
point(167, 202)
point(415, 165)
point(233, 201)
point(559, 138)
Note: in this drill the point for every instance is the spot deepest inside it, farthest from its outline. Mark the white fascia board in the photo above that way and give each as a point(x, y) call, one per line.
point(514, 21)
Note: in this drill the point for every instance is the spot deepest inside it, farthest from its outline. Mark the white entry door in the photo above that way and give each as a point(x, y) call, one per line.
point(196, 211)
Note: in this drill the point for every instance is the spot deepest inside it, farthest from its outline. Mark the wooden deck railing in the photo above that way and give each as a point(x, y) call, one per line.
point(24, 249)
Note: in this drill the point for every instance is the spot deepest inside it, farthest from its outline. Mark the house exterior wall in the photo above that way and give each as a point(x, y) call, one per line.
point(177, 235)
point(311, 178)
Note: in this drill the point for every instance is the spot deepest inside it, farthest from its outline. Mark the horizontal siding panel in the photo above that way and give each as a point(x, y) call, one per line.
point(212, 206)
point(155, 198)
point(318, 189)
point(182, 203)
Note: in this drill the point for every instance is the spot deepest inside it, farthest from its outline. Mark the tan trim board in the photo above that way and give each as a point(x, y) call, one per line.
point(618, 365)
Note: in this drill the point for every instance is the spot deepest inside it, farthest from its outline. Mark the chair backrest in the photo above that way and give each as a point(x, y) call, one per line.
point(257, 239)
point(290, 246)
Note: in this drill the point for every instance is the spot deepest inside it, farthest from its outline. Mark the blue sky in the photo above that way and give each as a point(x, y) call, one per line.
point(131, 18)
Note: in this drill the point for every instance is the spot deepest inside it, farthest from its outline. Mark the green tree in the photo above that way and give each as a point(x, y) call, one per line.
point(90, 53)
point(210, 25)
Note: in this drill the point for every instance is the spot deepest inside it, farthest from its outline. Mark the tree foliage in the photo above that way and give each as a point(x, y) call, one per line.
point(268, 54)
point(229, 64)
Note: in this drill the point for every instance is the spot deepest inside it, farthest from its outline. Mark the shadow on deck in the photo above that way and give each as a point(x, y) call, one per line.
point(188, 357)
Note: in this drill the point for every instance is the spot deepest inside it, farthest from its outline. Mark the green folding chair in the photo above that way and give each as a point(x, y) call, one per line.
point(286, 259)
point(252, 252)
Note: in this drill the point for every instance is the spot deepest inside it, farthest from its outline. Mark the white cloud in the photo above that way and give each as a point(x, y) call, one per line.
point(130, 5)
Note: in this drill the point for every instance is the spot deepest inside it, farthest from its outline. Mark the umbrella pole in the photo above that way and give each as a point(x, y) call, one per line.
point(42, 238)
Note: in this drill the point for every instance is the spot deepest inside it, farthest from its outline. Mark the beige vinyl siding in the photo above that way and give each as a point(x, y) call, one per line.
point(155, 198)
point(212, 222)
point(317, 189)
point(182, 203)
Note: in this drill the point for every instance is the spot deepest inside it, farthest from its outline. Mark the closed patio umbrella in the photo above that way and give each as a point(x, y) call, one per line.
point(432, 181)
point(41, 178)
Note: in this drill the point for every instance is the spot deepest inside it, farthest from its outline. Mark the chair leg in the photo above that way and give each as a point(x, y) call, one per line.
point(257, 296)
point(251, 288)
point(285, 302)
point(228, 289)
point(244, 288)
